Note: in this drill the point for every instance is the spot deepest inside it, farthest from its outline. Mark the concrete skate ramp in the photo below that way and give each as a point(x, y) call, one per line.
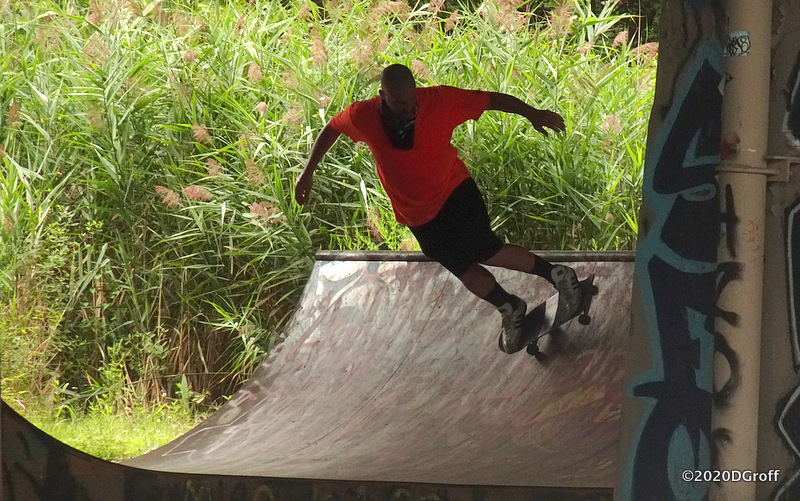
point(390, 373)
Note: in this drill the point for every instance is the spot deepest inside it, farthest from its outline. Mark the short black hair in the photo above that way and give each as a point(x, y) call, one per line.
point(396, 76)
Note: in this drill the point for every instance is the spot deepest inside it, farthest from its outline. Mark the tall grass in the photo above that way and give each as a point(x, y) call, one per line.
point(149, 149)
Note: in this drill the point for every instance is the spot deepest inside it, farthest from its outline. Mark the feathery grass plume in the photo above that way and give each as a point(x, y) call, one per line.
point(215, 169)
point(13, 113)
point(201, 134)
point(319, 55)
point(189, 56)
point(248, 141)
point(47, 36)
point(254, 72)
point(106, 10)
point(362, 52)
point(645, 54)
point(135, 9)
point(387, 8)
point(195, 192)
point(560, 19)
point(620, 40)
point(612, 125)
point(339, 9)
point(95, 14)
point(287, 39)
point(112, 11)
point(289, 79)
point(305, 12)
point(254, 174)
point(181, 24)
point(585, 48)
point(97, 49)
point(238, 28)
point(503, 14)
point(159, 15)
point(322, 99)
point(8, 222)
point(182, 89)
point(373, 223)
point(262, 107)
point(424, 40)
point(366, 47)
point(435, 6)
point(170, 198)
point(420, 70)
point(266, 213)
point(452, 21)
point(293, 118)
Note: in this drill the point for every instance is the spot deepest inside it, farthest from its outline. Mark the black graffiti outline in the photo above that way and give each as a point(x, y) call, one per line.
point(791, 123)
point(788, 408)
point(792, 233)
point(738, 44)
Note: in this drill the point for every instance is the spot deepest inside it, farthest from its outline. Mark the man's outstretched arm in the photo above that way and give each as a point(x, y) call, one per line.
point(326, 138)
point(538, 118)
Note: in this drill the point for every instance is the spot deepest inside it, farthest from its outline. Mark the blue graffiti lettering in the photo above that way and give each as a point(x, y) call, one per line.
point(676, 273)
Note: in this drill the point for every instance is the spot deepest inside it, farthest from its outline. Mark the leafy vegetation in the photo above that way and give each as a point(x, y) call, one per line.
point(151, 249)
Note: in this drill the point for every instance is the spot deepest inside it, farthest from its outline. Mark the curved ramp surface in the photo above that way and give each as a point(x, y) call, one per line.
point(389, 385)
point(390, 371)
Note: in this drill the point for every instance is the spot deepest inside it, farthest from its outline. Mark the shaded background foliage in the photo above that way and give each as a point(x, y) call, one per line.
point(151, 249)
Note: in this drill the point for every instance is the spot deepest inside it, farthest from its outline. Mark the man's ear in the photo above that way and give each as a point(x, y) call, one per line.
point(380, 93)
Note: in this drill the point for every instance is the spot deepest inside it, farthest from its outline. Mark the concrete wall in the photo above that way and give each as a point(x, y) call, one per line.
point(779, 416)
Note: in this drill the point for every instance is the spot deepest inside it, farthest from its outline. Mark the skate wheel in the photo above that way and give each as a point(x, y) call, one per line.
point(585, 319)
point(533, 349)
point(594, 290)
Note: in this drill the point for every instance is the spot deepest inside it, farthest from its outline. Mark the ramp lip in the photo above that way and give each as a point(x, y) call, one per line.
point(417, 256)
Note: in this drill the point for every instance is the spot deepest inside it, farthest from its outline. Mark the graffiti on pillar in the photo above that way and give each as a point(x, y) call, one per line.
point(677, 277)
point(793, 274)
point(738, 44)
point(788, 419)
point(728, 272)
point(788, 424)
point(791, 123)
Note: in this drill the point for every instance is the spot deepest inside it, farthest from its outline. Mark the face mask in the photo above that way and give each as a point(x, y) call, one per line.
point(400, 132)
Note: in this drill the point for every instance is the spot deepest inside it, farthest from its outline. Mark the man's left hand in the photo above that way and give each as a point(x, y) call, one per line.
point(543, 118)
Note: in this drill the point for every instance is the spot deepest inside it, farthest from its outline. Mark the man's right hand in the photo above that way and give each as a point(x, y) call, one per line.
point(302, 188)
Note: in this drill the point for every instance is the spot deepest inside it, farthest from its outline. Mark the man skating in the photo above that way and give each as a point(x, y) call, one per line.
point(409, 132)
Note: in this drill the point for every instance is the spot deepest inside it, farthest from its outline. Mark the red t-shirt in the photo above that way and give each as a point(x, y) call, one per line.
point(418, 181)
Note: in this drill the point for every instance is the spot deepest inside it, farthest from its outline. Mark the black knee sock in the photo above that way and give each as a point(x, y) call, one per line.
point(498, 296)
point(543, 269)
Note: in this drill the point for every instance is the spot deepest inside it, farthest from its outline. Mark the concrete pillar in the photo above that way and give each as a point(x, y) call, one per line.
point(742, 184)
point(666, 421)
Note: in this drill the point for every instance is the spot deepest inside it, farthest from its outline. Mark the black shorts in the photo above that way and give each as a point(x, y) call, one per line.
point(460, 234)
